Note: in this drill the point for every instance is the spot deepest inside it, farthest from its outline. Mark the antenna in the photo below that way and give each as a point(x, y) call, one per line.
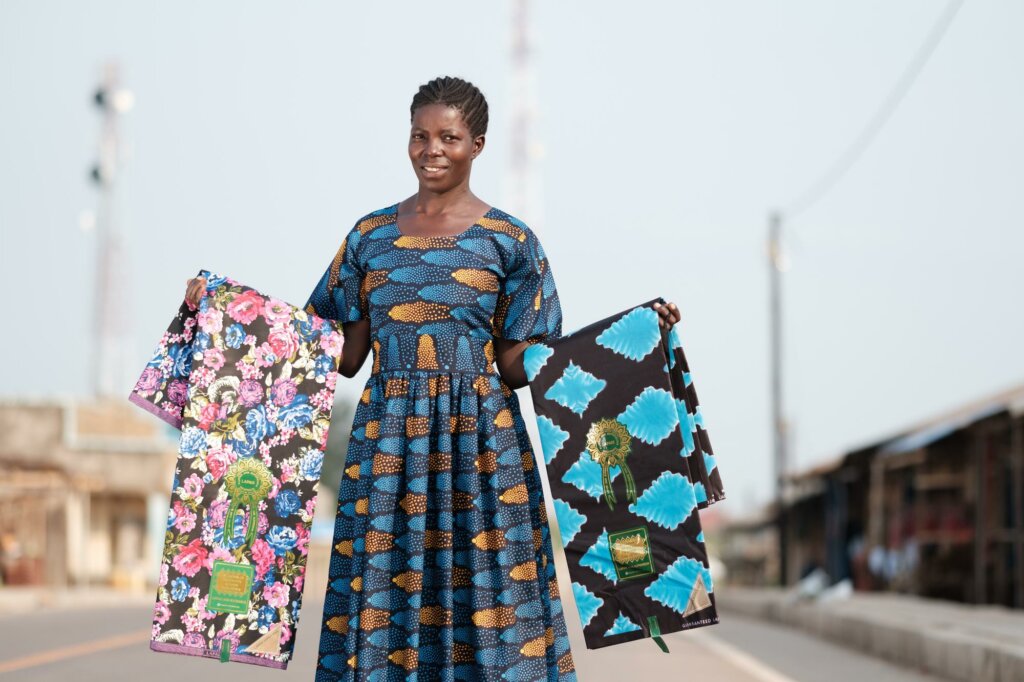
point(110, 333)
point(523, 182)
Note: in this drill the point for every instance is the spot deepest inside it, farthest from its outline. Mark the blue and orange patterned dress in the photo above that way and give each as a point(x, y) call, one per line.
point(441, 567)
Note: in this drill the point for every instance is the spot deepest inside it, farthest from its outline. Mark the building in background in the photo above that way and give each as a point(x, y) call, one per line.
point(83, 492)
point(936, 511)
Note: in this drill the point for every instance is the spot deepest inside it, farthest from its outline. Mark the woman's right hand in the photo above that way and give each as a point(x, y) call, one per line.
point(194, 290)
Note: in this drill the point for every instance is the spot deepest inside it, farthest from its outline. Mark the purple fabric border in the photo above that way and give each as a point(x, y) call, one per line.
point(167, 648)
point(136, 399)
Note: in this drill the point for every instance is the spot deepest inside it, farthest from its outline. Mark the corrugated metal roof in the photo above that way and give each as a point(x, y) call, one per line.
point(941, 429)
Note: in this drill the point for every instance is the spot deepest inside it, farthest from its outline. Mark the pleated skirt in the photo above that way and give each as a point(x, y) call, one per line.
point(441, 566)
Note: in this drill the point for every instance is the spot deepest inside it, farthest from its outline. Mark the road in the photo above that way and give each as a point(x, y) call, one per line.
point(112, 644)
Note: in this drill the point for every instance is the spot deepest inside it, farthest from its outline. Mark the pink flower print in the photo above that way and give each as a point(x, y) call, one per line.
point(276, 594)
point(161, 613)
point(186, 518)
point(218, 553)
point(211, 321)
point(283, 392)
point(298, 582)
point(247, 370)
point(287, 473)
point(210, 413)
point(167, 364)
point(332, 343)
point(218, 460)
point(192, 621)
point(245, 307)
point(250, 392)
point(201, 608)
point(265, 355)
point(322, 399)
point(277, 312)
point(193, 487)
point(202, 376)
point(303, 543)
point(190, 558)
point(163, 575)
point(213, 358)
point(194, 640)
point(263, 555)
point(331, 381)
point(286, 633)
point(177, 391)
point(215, 516)
point(149, 381)
point(204, 614)
point(284, 341)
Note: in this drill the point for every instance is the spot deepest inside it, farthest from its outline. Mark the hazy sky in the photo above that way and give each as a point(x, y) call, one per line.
point(262, 132)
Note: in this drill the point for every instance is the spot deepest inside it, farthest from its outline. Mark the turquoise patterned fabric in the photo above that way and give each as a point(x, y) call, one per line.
point(630, 464)
point(442, 565)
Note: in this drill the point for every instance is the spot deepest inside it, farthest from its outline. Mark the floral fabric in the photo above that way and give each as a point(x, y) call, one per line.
point(250, 380)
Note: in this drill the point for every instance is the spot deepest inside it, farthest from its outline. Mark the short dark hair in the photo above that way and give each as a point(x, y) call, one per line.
point(458, 93)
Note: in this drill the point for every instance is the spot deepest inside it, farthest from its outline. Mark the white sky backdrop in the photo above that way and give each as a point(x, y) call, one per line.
point(261, 132)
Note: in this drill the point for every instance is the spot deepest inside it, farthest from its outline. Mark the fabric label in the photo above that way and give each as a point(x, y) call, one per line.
point(631, 553)
point(230, 587)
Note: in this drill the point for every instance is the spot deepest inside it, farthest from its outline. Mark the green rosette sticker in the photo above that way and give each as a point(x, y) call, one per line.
point(247, 481)
point(608, 443)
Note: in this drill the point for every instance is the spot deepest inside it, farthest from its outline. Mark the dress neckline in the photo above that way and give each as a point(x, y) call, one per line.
point(440, 236)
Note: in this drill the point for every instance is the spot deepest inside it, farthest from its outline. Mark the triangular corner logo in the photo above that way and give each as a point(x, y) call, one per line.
point(269, 643)
point(699, 598)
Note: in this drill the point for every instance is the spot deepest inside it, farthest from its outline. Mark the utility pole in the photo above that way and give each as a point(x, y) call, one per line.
point(776, 266)
point(110, 332)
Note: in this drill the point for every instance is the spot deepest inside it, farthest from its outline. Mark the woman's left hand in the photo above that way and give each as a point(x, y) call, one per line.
point(668, 314)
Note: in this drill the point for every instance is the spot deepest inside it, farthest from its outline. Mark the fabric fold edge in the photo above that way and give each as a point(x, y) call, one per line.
point(164, 415)
point(168, 648)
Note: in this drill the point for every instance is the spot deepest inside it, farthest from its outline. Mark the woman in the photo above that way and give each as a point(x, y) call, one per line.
point(442, 562)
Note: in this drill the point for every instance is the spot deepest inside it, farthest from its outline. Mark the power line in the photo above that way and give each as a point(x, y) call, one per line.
point(843, 164)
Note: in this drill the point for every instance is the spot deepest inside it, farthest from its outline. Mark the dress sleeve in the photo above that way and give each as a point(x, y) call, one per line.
point(528, 308)
point(339, 295)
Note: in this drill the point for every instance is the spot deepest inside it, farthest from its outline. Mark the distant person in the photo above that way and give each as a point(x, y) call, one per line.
point(441, 540)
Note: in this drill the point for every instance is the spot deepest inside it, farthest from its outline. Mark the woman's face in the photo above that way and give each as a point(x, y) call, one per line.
point(441, 148)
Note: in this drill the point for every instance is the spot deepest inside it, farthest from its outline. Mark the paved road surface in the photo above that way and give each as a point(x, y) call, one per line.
point(112, 644)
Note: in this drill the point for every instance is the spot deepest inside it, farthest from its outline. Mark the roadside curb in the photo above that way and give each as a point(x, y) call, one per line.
point(952, 640)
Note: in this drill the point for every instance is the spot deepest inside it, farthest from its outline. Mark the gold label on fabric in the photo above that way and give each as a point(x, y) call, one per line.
point(609, 443)
point(631, 553)
point(230, 587)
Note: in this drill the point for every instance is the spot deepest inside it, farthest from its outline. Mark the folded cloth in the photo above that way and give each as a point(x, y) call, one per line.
point(249, 380)
point(626, 480)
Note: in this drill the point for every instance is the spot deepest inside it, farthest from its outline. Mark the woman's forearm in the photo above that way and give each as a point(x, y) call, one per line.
point(508, 356)
point(355, 348)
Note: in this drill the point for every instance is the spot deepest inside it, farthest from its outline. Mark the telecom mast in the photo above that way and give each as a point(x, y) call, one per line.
point(523, 191)
point(110, 331)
